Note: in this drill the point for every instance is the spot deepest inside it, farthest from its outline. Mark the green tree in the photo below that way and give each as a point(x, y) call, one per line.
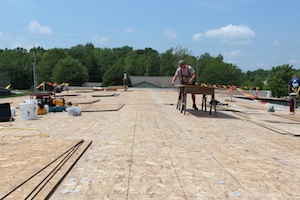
point(114, 75)
point(71, 71)
point(151, 61)
point(169, 60)
point(182, 53)
point(105, 59)
point(49, 59)
point(17, 65)
point(86, 55)
point(144, 62)
point(256, 78)
point(215, 71)
point(130, 64)
point(168, 63)
point(278, 79)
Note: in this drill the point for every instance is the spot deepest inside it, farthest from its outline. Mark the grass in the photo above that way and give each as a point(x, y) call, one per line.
point(25, 93)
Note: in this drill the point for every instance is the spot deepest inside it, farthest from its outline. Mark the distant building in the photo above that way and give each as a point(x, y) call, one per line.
point(143, 82)
point(152, 81)
point(92, 84)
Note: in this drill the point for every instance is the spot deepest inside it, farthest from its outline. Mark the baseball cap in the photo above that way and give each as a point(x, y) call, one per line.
point(181, 62)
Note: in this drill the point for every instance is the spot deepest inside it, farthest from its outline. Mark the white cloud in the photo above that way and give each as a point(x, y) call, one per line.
point(240, 34)
point(2, 35)
point(129, 30)
point(10, 41)
point(261, 65)
point(101, 40)
point(233, 53)
point(35, 27)
point(293, 62)
point(276, 43)
point(197, 37)
point(22, 42)
point(231, 62)
point(170, 34)
point(230, 57)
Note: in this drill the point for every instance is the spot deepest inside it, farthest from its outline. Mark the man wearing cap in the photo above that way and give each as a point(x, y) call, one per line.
point(125, 81)
point(187, 76)
point(294, 84)
point(294, 87)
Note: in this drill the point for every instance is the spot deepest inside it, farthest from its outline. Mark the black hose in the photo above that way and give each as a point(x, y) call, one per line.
point(41, 170)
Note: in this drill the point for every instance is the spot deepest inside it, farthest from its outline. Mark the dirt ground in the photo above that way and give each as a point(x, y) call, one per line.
point(136, 145)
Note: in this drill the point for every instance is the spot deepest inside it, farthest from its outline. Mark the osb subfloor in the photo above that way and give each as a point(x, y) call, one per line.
point(136, 145)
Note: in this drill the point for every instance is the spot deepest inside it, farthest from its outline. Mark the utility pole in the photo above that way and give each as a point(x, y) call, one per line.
point(197, 78)
point(35, 83)
point(147, 78)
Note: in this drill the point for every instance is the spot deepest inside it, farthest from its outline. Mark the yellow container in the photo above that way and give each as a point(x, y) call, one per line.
point(58, 102)
point(41, 111)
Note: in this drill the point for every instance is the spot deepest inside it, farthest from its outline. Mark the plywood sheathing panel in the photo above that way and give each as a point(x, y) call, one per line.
point(148, 150)
point(26, 165)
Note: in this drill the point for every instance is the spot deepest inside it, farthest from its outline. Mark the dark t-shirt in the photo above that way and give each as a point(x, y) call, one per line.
point(294, 83)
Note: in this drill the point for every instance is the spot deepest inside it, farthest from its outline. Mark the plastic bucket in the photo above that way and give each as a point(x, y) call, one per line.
point(293, 94)
point(13, 111)
point(35, 103)
point(47, 108)
point(28, 111)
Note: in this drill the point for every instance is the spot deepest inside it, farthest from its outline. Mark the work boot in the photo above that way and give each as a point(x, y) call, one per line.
point(195, 107)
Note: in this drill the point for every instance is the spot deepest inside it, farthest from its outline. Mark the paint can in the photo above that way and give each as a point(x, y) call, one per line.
point(28, 111)
point(13, 111)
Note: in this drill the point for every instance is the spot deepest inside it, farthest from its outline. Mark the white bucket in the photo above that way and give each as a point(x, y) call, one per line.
point(13, 111)
point(46, 107)
point(28, 111)
point(35, 103)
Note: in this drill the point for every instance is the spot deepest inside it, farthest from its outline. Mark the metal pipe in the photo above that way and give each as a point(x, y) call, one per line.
point(197, 71)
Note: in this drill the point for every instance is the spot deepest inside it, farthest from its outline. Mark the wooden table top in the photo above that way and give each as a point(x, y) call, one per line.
point(197, 89)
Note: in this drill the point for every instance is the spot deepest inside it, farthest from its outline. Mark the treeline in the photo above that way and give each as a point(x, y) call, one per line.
point(85, 63)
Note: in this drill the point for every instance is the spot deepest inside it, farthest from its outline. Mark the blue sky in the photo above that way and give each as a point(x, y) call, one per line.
point(253, 34)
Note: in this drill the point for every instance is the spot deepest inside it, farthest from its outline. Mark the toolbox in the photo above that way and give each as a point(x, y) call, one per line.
point(57, 108)
point(5, 112)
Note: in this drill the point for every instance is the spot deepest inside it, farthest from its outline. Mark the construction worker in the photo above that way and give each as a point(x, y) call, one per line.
point(125, 81)
point(293, 91)
point(294, 85)
point(187, 76)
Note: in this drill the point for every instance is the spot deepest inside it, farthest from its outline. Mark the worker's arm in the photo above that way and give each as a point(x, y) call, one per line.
point(289, 89)
point(174, 79)
point(192, 79)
